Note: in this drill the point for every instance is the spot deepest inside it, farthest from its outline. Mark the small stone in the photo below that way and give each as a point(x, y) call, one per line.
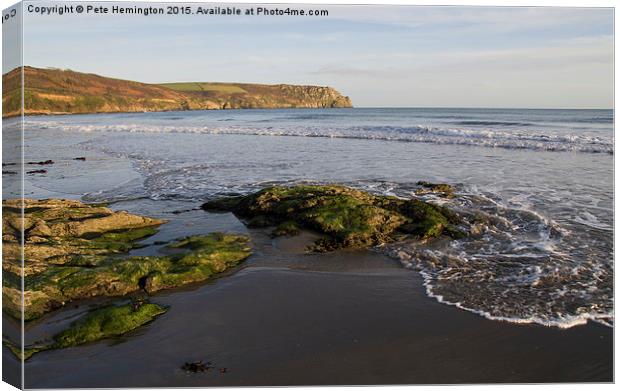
point(195, 367)
point(403, 255)
point(43, 163)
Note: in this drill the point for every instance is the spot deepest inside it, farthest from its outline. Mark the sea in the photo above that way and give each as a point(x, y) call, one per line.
point(535, 185)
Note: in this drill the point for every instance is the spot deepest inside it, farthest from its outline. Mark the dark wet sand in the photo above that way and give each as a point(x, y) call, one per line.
point(351, 317)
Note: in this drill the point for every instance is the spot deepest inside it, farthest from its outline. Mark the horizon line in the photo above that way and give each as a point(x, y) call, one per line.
point(482, 107)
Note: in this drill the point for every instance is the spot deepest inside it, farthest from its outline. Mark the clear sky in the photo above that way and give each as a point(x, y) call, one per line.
point(380, 56)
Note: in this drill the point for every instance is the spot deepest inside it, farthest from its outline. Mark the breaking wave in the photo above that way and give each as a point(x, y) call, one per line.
point(518, 139)
point(517, 266)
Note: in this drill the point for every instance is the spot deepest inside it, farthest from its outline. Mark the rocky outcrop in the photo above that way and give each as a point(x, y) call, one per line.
point(60, 232)
point(105, 322)
point(55, 91)
point(348, 217)
point(440, 189)
point(75, 251)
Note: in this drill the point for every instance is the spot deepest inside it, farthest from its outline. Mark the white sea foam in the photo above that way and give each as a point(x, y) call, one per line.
point(530, 270)
point(557, 319)
point(587, 218)
point(530, 140)
point(560, 321)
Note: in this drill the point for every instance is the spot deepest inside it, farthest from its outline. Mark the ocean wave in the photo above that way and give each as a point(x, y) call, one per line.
point(517, 266)
point(493, 123)
point(527, 140)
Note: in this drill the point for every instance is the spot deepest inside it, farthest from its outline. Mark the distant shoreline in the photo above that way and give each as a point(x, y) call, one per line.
point(57, 92)
point(58, 114)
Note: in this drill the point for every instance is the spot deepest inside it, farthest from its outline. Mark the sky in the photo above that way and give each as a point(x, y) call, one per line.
point(380, 56)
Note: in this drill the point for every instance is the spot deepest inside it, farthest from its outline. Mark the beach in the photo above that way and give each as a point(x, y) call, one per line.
point(382, 315)
point(288, 318)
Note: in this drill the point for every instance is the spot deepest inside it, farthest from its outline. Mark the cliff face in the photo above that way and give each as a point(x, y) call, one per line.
point(243, 95)
point(54, 91)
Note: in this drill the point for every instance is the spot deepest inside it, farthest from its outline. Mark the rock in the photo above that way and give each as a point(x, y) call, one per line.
point(225, 204)
point(43, 163)
point(73, 251)
point(204, 256)
point(441, 189)
point(403, 255)
point(36, 172)
point(59, 231)
point(106, 322)
point(286, 228)
point(195, 367)
point(118, 221)
point(349, 217)
point(195, 259)
point(477, 229)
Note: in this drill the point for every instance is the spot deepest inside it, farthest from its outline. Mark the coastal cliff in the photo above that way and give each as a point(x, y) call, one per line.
point(55, 91)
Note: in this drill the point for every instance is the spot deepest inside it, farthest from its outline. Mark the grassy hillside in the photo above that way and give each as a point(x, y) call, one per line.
point(244, 95)
point(55, 91)
point(205, 87)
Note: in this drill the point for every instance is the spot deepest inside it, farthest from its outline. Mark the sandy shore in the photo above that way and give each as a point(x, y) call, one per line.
point(288, 318)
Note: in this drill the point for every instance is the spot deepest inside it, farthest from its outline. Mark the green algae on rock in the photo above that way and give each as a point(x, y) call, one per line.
point(202, 257)
point(349, 217)
point(64, 235)
point(440, 189)
point(193, 259)
point(58, 232)
point(75, 251)
point(106, 322)
point(286, 228)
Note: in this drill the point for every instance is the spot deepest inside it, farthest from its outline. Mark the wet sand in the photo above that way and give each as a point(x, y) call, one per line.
point(288, 318)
